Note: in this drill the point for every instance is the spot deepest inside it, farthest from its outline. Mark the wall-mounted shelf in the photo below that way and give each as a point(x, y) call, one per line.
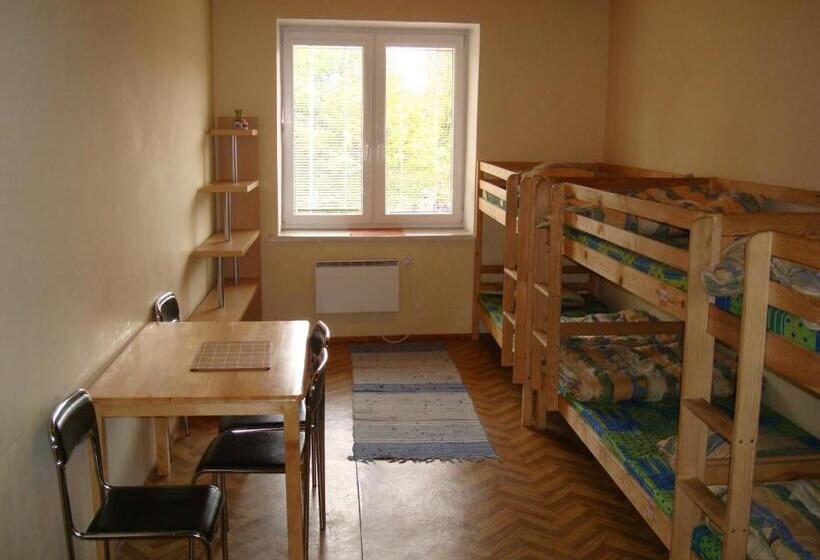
point(233, 132)
point(239, 225)
point(238, 299)
point(216, 246)
point(230, 187)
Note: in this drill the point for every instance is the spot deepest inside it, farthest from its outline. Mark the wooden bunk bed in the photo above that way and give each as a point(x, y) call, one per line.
point(497, 198)
point(700, 319)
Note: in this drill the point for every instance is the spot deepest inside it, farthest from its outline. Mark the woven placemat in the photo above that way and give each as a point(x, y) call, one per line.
point(233, 355)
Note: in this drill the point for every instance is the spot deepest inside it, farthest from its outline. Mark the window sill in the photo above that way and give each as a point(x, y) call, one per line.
point(322, 234)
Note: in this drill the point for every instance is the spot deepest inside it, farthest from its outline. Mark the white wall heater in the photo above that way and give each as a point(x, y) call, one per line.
point(366, 286)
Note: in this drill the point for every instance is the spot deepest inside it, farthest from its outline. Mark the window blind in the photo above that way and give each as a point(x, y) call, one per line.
point(419, 92)
point(327, 166)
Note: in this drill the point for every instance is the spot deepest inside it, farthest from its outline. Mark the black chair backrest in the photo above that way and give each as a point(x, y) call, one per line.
point(72, 421)
point(316, 392)
point(318, 340)
point(166, 308)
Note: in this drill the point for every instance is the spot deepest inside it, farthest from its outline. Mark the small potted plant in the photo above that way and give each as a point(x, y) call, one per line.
point(239, 120)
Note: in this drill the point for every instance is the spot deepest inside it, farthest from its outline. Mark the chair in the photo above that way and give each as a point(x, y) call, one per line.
point(255, 450)
point(318, 341)
point(130, 512)
point(319, 337)
point(166, 310)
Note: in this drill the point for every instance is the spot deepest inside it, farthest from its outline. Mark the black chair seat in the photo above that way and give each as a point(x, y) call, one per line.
point(272, 421)
point(247, 452)
point(134, 510)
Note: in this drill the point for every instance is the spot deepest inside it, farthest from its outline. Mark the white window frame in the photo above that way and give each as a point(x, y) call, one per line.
point(374, 41)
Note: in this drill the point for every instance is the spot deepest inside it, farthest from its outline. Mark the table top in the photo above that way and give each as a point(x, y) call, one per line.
point(156, 366)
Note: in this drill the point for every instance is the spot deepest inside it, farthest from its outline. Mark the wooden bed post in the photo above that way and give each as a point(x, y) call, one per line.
point(479, 237)
point(554, 273)
point(751, 357)
point(526, 255)
point(508, 282)
point(696, 384)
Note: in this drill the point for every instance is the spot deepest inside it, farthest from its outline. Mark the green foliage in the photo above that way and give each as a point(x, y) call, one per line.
point(328, 125)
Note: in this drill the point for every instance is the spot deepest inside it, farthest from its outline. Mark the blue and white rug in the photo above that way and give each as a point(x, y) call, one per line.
point(409, 404)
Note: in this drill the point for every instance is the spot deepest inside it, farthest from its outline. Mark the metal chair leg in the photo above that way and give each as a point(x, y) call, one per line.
point(224, 532)
point(314, 457)
point(191, 548)
point(223, 484)
point(320, 455)
point(305, 508)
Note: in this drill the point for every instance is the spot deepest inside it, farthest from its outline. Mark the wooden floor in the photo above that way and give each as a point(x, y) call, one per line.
point(546, 498)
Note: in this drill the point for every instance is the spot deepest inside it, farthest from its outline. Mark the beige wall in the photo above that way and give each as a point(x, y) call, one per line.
point(726, 88)
point(542, 95)
point(102, 112)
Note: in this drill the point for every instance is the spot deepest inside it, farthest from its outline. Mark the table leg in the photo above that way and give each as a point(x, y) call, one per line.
point(293, 483)
point(96, 491)
point(162, 446)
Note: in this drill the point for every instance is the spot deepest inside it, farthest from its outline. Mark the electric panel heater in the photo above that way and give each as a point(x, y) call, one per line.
point(365, 286)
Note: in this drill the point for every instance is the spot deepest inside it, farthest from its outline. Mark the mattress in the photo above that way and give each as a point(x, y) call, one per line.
point(792, 328)
point(491, 302)
point(632, 431)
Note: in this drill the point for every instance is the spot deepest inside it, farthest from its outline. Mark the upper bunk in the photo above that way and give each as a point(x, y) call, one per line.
point(650, 239)
point(497, 182)
point(497, 179)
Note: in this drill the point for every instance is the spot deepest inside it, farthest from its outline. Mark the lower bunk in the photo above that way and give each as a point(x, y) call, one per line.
point(491, 310)
point(635, 443)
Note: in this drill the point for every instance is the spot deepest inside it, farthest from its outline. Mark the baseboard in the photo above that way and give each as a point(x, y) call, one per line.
point(410, 338)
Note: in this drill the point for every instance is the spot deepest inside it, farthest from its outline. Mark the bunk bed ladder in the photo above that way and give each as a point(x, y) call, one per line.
point(545, 260)
point(732, 518)
point(692, 495)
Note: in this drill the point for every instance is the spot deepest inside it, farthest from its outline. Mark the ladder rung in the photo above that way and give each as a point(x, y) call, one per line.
point(541, 337)
point(509, 317)
point(705, 500)
point(712, 416)
point(542, 288)
point(512, 273)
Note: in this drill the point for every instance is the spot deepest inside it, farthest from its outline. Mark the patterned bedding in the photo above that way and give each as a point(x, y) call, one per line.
point(615, 368)
point(793, 328)
point(632, 430)
point(691, 197)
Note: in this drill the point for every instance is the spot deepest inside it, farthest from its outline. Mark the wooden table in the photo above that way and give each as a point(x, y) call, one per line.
point(152, 377)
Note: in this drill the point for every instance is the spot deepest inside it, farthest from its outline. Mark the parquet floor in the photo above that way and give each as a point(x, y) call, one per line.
point(546, 499)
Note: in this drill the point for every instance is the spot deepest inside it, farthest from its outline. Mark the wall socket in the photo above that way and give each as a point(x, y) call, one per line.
point(408, 260)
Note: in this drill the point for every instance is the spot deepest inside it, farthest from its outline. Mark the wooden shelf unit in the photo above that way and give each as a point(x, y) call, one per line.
point(236, 172)
point(233, 131)
point(238, 302)
point(216, 246)
point(230, 187)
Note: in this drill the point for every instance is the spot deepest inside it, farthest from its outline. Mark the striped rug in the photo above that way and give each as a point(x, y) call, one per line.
point(409, 405)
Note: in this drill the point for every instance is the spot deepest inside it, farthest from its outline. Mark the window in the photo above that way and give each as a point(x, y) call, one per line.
point(373, 128)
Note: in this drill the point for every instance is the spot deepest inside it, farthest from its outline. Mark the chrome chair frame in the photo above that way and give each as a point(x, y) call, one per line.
point(61, 459)
point(315, 402)
point(159, 317)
